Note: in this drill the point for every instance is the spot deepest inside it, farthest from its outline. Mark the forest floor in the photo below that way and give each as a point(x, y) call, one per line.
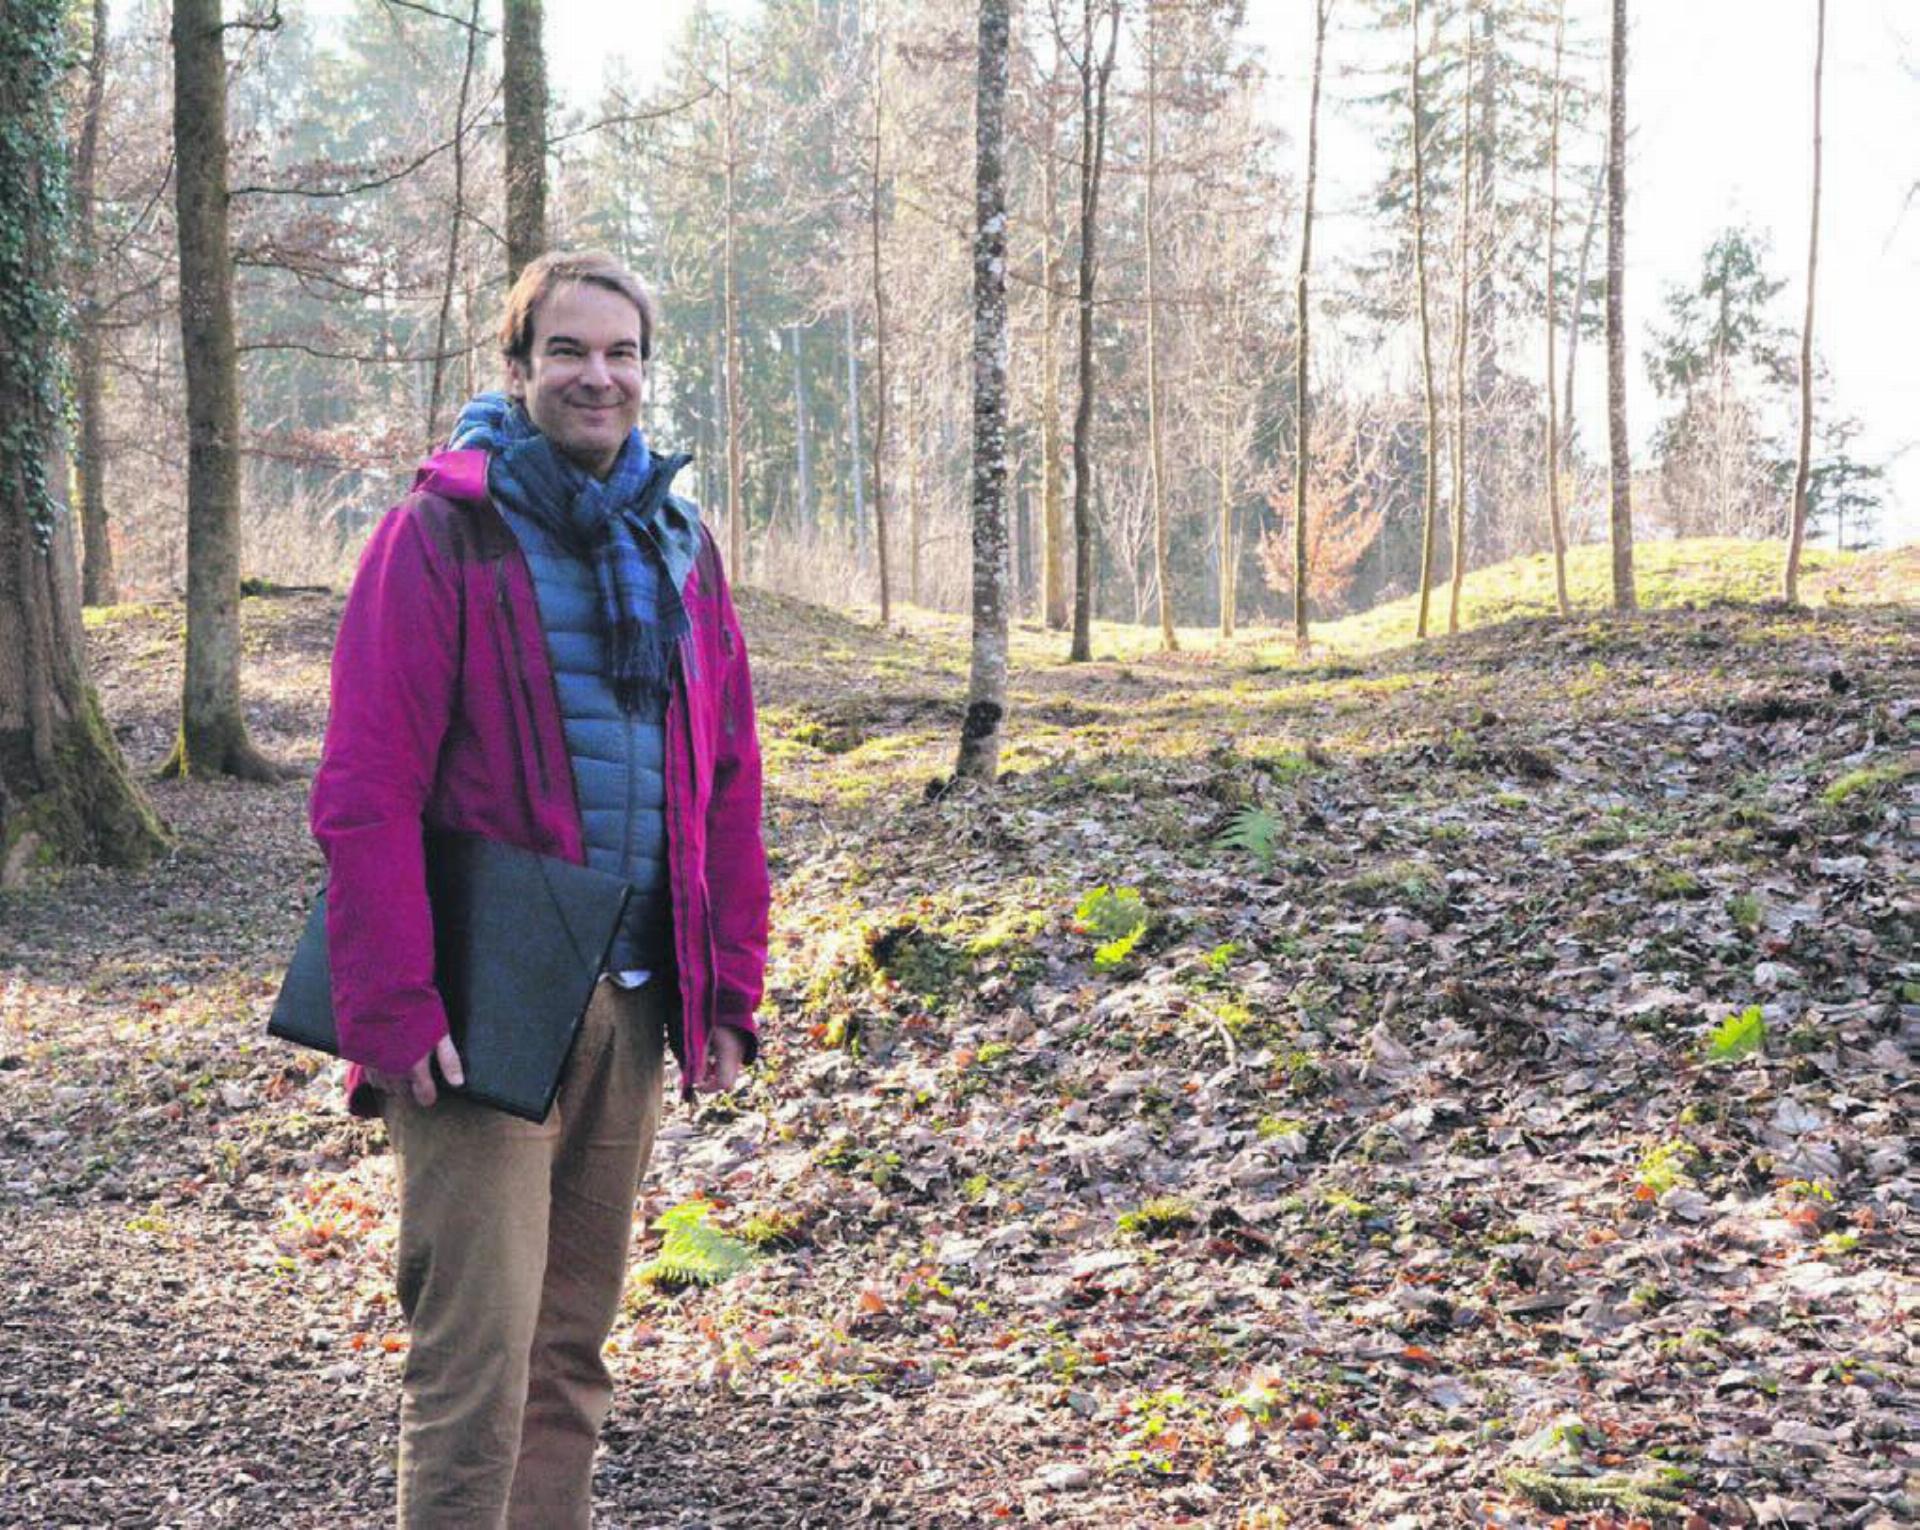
point(1483, 1093)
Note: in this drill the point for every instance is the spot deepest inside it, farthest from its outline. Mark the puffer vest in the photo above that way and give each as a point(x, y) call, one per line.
point(618, 757)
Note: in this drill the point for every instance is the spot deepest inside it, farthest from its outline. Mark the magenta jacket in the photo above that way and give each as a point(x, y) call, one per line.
point(445, 715)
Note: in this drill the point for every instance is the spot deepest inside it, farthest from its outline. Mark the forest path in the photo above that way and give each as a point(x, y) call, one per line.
point(1387, 1178)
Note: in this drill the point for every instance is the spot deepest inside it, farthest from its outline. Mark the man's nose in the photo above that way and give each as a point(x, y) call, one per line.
point(596, 373)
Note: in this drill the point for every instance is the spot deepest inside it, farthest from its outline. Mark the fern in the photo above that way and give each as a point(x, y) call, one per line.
point(1117, 918)
point(693, 1253)
point(1737, 1036)
point(1255, 832)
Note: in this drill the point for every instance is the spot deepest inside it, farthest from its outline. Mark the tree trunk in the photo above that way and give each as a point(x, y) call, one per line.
point(879, 331)
point(443, 321)
point(1803, 466)
point(213, 733)
point(1303, 410)
point(1431, 517)
point(916, 514)
point(854, 443)
point(1618, 448)
point(802, 436)
point(1596, 206)
point(1556, 522)
point(730, 322)
point(981, 733)
point(1463, 325)
point(1093, 148)
point(100, 589)
point(523, 88)
point(1163, 574)
point(65, 794)
point(1229, 552)
point(1053, 486)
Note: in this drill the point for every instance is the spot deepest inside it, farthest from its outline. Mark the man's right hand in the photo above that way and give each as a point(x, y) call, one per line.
point(419, 1079)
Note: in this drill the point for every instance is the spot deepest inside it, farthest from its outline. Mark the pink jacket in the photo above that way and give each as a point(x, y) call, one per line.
point(445, 714)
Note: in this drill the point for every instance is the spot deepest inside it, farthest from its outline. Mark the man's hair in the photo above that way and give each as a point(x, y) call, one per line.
point(559, 268)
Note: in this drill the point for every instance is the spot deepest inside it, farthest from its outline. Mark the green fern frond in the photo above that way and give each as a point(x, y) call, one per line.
point(693, 1253)
point(1255, 832)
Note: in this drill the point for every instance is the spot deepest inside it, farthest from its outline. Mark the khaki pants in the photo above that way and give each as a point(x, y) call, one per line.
point(513, 1253)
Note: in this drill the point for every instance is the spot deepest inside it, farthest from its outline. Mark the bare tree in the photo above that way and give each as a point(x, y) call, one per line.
point(1462, 325)
point(455, 219)
point(213, 731)
point(1095, 72)
point(730, 324)
point(65, 793)
point(100, 587)
point(1431, 501)
point(523, 88)
point(1303, 399)
point(1556, 522)
point(1803, 465)
point(879, 322)
point(980, 734)
point(1618, 447)
point(1156, 451)
point(1053, 520)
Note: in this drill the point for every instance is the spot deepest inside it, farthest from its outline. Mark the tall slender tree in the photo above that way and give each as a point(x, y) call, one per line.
point(985, 721)
point(1803, 462)
point(1053, 478)
point(65, 793)
point(874, 222)
point(89, 383)
point(730, 325)
point(1096, 70)
point(1462, 329)
point(1556, 522)
point(1429, 523)
point(455, 221)
point(1303, 398)
point(523, 89)
point(1618, 447)
point(1156, 448)
point(213, 731)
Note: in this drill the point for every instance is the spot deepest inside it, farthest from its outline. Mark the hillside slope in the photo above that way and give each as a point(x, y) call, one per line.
point(1375, 1149)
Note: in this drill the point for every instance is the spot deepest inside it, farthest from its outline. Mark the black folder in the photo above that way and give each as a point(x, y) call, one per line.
point(519, 941)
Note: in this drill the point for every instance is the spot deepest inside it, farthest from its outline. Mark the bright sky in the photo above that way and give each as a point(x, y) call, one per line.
point(1720, 107)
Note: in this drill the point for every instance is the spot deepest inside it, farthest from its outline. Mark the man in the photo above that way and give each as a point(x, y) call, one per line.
point(539, 648)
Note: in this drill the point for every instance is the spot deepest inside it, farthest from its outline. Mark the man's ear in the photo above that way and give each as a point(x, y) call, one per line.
point(516, 379)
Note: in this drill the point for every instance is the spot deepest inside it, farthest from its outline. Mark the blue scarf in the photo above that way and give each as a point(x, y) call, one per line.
point(607, 522)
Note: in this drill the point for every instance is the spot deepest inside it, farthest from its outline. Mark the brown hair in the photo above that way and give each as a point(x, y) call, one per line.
point(557, 268)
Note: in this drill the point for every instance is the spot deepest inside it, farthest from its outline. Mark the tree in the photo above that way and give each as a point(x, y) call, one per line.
point(987, 690)
point(1156, 451)
point(1303, 413)
point(523, 88)
point(874, 221)
point(1095, 71)
point(100, 588)
point(457, 216)
point(213, 732)
point(1430, 516)
point(1462, 326)
point(1618, 446)
point(1803, 465)
point(65, 793)
point(1556, 522)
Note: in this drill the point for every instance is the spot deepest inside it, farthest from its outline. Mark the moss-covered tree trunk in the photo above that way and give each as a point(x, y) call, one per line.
point(213, 732)
point(64, 792)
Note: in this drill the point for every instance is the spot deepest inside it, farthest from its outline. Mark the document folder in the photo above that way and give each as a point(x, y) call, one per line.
point(519, 941)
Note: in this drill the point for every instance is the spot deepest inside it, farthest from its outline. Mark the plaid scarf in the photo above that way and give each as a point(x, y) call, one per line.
point(608, 523)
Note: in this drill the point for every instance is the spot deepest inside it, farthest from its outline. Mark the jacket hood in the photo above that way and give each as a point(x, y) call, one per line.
point(455, 475)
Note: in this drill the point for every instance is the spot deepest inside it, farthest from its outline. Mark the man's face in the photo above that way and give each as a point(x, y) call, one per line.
point(581, 384)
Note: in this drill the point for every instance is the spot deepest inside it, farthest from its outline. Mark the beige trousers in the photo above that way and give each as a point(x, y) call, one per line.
point(512, 1257)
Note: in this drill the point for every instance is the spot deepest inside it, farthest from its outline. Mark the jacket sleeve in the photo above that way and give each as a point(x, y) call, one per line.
point(395, 674)
point(737, 882)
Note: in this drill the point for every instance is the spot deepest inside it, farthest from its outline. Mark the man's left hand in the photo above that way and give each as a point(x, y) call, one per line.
point(726, 1052)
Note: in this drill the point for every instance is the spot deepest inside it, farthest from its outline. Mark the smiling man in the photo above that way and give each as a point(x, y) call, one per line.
point(539, 648)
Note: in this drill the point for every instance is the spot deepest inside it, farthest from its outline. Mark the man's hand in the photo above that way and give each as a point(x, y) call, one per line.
point(726, 1052)
point(419, 1080)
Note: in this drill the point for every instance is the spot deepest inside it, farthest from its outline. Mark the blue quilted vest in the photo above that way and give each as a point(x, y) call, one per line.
point(618, 757)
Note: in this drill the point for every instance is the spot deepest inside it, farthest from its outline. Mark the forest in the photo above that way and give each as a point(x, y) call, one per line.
point(1344, 913)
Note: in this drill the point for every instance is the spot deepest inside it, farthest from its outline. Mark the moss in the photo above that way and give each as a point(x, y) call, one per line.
point(95, 812)
point(1870, 782)
point(1648, 1496)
